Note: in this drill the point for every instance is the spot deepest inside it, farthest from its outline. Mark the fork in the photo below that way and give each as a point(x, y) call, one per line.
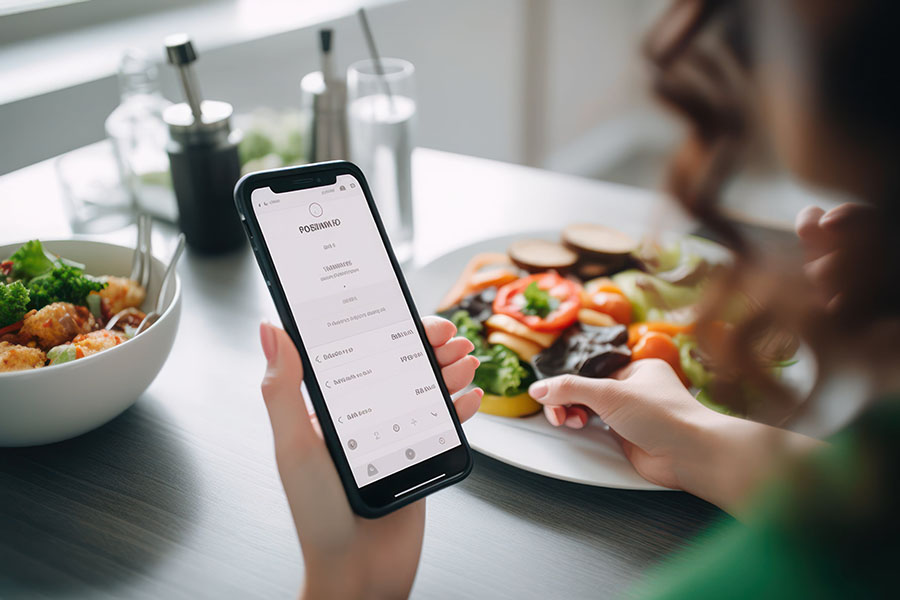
point(140, 262)
point(167, 280)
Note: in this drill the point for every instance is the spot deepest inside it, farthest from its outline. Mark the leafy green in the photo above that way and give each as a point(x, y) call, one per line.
point(537, 301)
point(62, 284)
point(254, 145)
point(31, 260)
point(500, 372)
point(646, 292)
point(470, 329)
point(13, 303)
point(657, 257)
point(693, 368)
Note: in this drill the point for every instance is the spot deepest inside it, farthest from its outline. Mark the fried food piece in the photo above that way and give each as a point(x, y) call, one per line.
point(19, 358)
point(56, 324)
point(121, 293)
point(96, 341)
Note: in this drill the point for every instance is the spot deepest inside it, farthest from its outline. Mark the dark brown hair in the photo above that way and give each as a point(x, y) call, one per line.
point(701, 60)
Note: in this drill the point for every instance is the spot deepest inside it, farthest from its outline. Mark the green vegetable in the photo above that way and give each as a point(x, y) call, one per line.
point(693, 368)
point(537, 301)
point(646, 292)
point(63, 284)
point(94, 305)
point(658, 257)
point(705, 398)
point(470, 329)
point(31, 260)
point(500, 372)
point(61, 354)
point(13, 303)
point(255, 145)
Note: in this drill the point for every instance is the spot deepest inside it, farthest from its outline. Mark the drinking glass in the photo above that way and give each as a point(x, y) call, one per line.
point(381, 114)
point(94, 195)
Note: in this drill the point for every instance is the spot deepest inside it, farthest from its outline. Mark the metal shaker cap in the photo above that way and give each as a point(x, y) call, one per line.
point(179, 49)
point(214, 124)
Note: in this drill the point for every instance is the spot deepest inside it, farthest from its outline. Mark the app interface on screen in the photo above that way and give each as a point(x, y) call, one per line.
point(368, 358)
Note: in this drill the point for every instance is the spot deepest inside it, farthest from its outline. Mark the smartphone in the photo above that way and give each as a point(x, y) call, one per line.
point(369, 371)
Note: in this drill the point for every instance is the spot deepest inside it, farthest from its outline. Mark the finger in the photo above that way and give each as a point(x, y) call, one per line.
point(467, 404)
point(290, 420)
point(314, 421)
point(556, 415)
point(438, 330)
point(576, 417)
point(453, 350)
point(807, 224)
point(460, 374)
point(847, 217)
point(825, 271)
point(600, 395)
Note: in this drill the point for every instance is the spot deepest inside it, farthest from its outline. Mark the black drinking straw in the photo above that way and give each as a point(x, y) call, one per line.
point(376, 58)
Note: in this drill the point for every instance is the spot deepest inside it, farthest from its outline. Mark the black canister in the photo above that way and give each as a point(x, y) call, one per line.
point(203, 155)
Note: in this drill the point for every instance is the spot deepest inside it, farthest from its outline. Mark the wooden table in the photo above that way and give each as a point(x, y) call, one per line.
point(179, 496)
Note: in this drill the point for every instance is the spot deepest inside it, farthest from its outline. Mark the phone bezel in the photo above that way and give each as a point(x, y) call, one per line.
point(378, 498)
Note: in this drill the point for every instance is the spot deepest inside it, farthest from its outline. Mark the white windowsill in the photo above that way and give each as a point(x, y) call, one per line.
point(60, 61)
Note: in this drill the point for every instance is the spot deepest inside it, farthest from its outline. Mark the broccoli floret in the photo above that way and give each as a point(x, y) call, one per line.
point(63, 284)
point(13, 303)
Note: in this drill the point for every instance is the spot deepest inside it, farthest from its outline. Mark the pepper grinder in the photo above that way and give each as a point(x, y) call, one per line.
point(203, 155)
point(324, 102)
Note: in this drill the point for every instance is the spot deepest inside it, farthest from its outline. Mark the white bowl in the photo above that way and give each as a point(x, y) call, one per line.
point(41, 406)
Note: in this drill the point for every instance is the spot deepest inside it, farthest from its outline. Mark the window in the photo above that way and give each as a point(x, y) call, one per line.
point(9, 7)
point(27, 19)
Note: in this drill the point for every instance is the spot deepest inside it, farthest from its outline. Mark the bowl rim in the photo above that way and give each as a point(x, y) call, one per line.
point(166, 314)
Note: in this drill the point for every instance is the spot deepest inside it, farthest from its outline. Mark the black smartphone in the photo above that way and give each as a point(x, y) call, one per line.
point(370, 373)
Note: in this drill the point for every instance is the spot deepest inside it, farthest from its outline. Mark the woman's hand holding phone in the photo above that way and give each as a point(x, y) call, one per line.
point(347, 556)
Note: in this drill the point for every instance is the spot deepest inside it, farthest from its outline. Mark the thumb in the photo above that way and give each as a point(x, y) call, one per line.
point(603, 396)
point(290, 420)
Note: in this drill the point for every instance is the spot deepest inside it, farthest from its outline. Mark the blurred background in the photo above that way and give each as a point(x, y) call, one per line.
point(552, 84)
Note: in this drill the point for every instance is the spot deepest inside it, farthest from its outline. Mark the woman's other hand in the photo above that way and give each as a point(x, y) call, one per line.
point(671, 439)
point(347, 556)
point(841, 251)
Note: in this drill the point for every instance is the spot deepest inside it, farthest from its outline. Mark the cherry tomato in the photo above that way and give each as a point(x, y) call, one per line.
point(654, 344)
point(510, 301)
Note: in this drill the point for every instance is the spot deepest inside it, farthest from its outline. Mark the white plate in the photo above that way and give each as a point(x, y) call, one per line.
point(591, 455)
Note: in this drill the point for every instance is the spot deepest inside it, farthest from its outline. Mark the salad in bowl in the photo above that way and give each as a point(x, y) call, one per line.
point(52, 312)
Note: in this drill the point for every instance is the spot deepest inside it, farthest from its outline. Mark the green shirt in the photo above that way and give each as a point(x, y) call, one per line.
point(828, 528)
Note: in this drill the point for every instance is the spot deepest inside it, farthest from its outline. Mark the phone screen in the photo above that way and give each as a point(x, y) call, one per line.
point(368, 358)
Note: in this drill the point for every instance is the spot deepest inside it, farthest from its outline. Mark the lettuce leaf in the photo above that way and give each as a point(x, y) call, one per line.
point(500, 372)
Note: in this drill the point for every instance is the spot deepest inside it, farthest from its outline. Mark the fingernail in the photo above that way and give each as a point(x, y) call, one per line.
point(475, 358)
point(269, 343)
point(554, 415)
point(538, 390)
point(574, 421)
